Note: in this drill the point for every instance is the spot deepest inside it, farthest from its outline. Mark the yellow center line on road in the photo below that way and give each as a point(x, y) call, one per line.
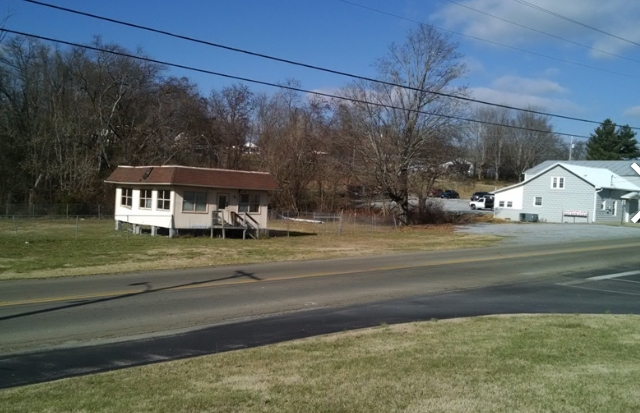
point(69, 298)
point(215, 283)
point(405, 267)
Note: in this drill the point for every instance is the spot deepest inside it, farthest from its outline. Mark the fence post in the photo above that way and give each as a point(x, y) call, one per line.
point(288, 223)
point(67, 211)
point(77, 222)
point(340, 225)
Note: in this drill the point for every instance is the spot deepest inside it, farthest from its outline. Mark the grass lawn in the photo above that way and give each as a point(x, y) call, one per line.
point(550, 363)
point(51, 248)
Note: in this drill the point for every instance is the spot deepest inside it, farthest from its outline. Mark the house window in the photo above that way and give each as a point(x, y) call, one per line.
point(615, 208)
point(194, 201)
point(164, 200)
point(249, 203)
point(509, 204)
point(127, 197)
point(604, 205)
point(145, 199)
point(501, 204)
point(557, 182)
point(537, 201)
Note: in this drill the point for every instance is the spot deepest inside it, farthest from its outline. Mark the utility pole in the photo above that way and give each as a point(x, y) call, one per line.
point(570, 148)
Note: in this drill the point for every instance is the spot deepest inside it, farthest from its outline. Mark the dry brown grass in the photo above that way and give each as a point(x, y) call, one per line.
point(569, 363)
point(44, 249)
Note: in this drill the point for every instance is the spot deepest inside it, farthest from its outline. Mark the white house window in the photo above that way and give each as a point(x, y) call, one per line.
point(127, 197)
point(145, 199)
point(604, 205)
point(501, 204)
point(194, 201)
point(537, 201)
point(249, 203)
point(509, 204)
point(615, 208)
point(557, 182)
point(164, 200)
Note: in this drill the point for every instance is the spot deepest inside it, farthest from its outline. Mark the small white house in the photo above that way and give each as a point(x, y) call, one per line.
point(179, 197)
point(584, 191)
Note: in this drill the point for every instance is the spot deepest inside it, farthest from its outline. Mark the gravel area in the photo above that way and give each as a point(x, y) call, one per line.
point(546, 233)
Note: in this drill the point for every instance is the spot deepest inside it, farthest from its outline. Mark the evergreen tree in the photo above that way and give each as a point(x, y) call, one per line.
point(612, 143)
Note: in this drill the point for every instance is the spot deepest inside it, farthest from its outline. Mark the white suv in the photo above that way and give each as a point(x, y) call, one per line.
point(485, 202)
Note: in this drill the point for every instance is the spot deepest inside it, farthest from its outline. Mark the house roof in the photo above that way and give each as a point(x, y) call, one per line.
point(190, 176)
point(621, 168)
point(601, 177)
point(598, 177)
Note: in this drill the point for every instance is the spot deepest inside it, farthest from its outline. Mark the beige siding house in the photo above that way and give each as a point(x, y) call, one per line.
point(178, 198)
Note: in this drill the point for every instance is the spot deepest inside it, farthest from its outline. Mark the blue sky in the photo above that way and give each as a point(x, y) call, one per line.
point(338, 35)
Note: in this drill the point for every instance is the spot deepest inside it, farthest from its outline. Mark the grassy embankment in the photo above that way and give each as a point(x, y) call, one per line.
point(572, 363)
point(51, 248)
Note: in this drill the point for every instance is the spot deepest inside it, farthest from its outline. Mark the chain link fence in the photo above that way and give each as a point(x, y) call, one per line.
point(56, 222)
point(68, 211)
point(289, 223)
point(93, 221)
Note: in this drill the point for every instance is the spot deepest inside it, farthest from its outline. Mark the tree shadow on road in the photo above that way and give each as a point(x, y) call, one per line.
point(148, 290)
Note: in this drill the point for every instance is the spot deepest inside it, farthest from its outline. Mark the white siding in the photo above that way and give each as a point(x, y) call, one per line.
point(140, 216)
point(513, 195)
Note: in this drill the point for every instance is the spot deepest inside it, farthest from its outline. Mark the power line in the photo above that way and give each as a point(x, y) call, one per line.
point(542, 32)
point(560, 16)
point(493, 42)
point(306, 65)
point(280, 86)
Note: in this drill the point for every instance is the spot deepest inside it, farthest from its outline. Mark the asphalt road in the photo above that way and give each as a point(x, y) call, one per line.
point(581, 293)
point(47, 313)
point(57, 328)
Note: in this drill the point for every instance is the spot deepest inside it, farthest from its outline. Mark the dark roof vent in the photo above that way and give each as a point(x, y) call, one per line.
point(147, 173)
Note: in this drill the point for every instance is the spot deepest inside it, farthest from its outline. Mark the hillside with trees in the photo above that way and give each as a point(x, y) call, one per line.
point(70, 115)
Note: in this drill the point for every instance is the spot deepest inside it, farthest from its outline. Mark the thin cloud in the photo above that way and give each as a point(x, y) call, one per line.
point(526, 92)
point(614, 16)
point(633, 112)
point(517, 84)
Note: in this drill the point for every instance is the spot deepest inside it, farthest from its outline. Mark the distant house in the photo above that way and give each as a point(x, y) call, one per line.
point(251, 147)
point(177, 198)
point(572, 191)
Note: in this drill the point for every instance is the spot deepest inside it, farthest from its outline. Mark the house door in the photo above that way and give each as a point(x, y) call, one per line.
point(223, 201)
point(221, 215)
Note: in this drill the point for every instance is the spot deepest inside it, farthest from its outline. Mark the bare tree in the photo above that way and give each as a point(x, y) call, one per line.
point(290, 135)
point(476, 136)
point(400, 123)
point(533, 141)
point(231, 111)
point(440, 158)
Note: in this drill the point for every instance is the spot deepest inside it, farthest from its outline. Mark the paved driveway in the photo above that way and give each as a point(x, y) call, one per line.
point(461, 205)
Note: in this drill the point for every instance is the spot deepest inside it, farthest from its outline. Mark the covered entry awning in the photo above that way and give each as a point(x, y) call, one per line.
point(631, 195)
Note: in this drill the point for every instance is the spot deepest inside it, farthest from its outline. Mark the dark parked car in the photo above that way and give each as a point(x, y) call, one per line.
point(449, 194)
point(477, 195)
